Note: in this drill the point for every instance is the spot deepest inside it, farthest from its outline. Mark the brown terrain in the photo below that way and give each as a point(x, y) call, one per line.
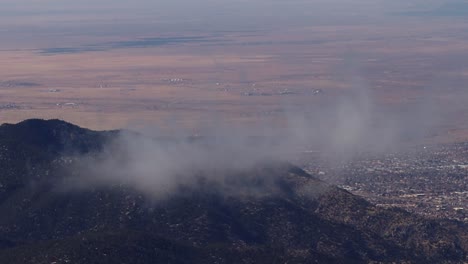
point(106, 81)
point(101, 78)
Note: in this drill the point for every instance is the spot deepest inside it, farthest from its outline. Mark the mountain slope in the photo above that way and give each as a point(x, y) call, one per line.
point(304, 220)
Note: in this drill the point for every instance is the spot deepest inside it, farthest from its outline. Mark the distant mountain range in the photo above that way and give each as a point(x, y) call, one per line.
point(305, 221)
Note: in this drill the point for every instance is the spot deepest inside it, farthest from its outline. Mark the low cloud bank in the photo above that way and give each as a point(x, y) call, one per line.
point(158, 166)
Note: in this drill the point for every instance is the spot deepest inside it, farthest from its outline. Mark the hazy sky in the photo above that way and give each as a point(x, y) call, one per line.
point(26, 20)
point(180, 9)
point(208, 11)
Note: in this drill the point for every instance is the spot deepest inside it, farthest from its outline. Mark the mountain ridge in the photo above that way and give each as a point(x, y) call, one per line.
point(304, 221)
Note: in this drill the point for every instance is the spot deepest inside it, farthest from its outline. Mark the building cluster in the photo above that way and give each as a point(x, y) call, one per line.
point(431, 181)
point(9, 106)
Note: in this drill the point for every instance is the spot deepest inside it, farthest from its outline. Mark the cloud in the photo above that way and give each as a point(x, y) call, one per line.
point(223, 153)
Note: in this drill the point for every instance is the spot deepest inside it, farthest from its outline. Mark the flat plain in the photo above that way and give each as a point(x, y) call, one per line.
point(107, 81)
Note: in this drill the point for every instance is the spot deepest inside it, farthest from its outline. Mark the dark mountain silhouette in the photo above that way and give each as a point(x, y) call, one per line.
point(305, 221)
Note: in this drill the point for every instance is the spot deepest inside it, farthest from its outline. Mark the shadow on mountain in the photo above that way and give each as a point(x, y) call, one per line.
point(304, 221)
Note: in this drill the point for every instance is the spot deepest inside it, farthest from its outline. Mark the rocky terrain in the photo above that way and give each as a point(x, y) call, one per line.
point(300, 220)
